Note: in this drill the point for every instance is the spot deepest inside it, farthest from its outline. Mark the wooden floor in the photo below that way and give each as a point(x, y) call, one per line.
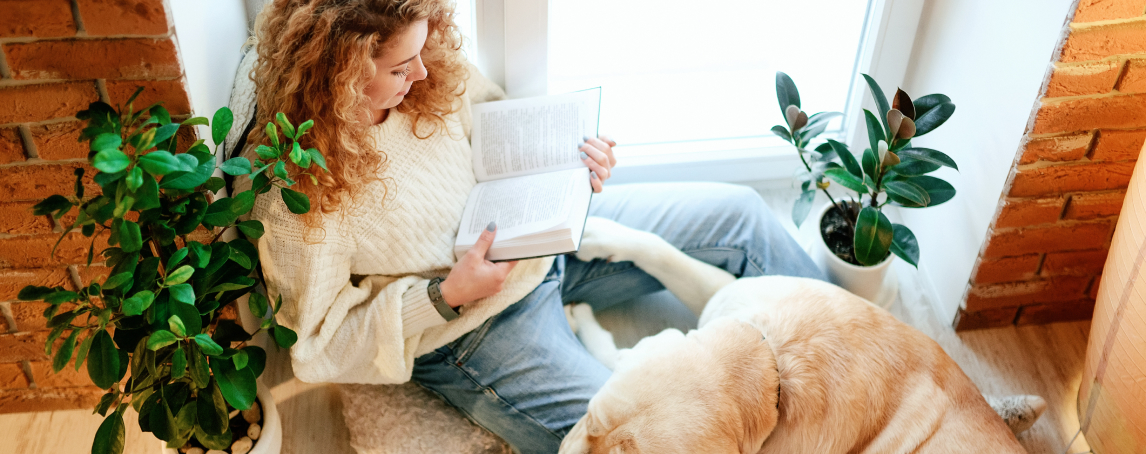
point(1043, 360)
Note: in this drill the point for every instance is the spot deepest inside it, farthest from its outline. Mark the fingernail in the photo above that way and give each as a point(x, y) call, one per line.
point(584, 156)
point(492, 225)
point(586, 138)
point(592, 175)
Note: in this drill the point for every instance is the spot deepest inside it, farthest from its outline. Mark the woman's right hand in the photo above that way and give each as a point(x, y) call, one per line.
point(474, 277)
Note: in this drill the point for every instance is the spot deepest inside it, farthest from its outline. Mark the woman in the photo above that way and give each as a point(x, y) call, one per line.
point(390, 94)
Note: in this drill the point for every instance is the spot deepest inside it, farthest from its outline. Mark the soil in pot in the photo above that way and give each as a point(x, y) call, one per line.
point(246, 429)
point(839, 234)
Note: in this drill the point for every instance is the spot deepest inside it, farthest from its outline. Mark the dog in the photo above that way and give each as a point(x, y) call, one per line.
point(778, 365)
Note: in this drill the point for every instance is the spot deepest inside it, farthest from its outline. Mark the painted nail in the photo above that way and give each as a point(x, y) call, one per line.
point(586, 138)
point(592, 175)
point(584, 156)
point(492, 225)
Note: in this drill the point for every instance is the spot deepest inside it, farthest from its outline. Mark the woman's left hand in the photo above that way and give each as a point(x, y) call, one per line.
point(597, 154)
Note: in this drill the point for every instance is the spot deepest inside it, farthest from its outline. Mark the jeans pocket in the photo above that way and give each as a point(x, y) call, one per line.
point(464, 346)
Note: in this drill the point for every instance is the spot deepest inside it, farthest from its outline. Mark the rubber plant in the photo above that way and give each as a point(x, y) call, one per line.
point(890, 172)
point(800, 131)
point(157, 314)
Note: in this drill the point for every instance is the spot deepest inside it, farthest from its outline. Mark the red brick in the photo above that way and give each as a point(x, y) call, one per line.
point(17, 218)
point(130, 58)
point(33, 103)
point(1134, 80)
point(59, 141)
point(1007, 269)
point(1024, 212)
point(37, 400)
point(1013, 294)
point(1068, 237)
point(12, 376)
point(1042, 314)
point(37, 18)
point(1063, 148)
point(1098, 10)
point(1118, 145)
point(21, 346)
point(1090, 78)
point(68, 377)
point(123, 17)
point(170, 92)
point(1079, 263)
point(1094, 205)
point(1096, 43)
point(12, 280)
point(994, 318)
point(1094, 286)
point(33, 251)
point(1084, 114)
point(37, 182)
point(29, 315)
point(11, 148)
point(94, 272)
point(1055, 180)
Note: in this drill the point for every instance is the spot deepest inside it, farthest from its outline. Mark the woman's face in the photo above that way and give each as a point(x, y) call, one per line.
point(397, 69)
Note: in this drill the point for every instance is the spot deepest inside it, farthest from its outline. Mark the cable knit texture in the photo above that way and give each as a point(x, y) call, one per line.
point(354, 291)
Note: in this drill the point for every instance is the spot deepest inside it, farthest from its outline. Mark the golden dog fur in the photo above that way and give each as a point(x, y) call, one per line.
point(778, 365)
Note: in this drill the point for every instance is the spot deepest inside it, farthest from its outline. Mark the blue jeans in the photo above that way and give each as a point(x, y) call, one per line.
point(524, 376)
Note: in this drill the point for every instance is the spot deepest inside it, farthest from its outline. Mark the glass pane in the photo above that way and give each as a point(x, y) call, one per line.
point(674, 71)
point(465, 20)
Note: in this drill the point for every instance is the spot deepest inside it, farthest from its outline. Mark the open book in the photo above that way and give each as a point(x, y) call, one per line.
point(531, 179)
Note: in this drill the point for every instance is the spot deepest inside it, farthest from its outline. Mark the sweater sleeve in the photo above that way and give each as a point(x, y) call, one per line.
point(480, 89)
point(350, 329)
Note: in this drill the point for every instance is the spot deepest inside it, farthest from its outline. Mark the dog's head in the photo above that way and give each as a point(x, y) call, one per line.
point(711, 391)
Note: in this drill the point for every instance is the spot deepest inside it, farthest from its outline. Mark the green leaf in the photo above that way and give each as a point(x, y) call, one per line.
point(196, 121)
point(907, 190)
point(317, 157)
point(129, 237)
point(846, 179)
point(221, 124)
point(880, 101)
point(189, 180)
point(257, 303)
point(34, 293)
point(266, 153)
point(284, 336)
point(280, 170)
point(161, 114)
point(179, 276)
point(236, 166)
point(110, 436)
point(926, 103)
point(147, 196)
point(904, 245)
point(303, 127)
point(299, 157)
point(160, 339)
point(184, 424)
point(117, 280)
point(161, 162)
point(202, 254)
point(938, 191)
point(177, 257)
point(253, 229)
point(110, 161)
point(138, 303)
point(800, 209)
point(240, 359)
point(782, 132)
point(134, 179)
point(106, 141)
point(237, 385)
point(161, 133)
point(189, 316)
point(212, 409)
point(214, 184)
point(219, 213)
point(197, 367)
point(913, 167)
point(51, 205)
point(243, 202)
point(873, 236)
point(105, 402)
point(64, 354)
point(874, 130)
point(933, 118)
point(786, 92)
point(273, 135)
point(847, 158)
point(178, 364)
point(870, 163)
point(82, 352)
point(182, 293)
point(176, 325)
point(103, 361)
point(208, 346)
point(162, 422)
point(288, 129)
point(296, 202)
point(239, 257)
point(927, 155)
point(218, 442)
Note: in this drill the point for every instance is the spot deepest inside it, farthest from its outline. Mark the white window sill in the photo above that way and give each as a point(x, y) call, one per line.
point(737, 160)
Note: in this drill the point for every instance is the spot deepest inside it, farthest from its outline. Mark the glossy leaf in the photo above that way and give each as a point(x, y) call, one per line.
point(221, 124)
point(176, 326)
point(870, 163)
point(211, 409)
point(189, 180)
point(196, 121)
point(317, 158)
point(284, 337)
point(933, 118)
point(239, 359)
point(907, 190)
point(197, 367)
point(64, 354)
point(138, 303)
point(237, 385)
point(800, 211)
point(178, 364)
point(296, 202)
point(103, 361)
point(782, 132)
point(874, 130)
point(182, 293)
point(304, 127)
point(82, 351)
point(288, 129)
point(179, 276)
point(926, 103)
point(253, 229)
point(236, 166)
point(110, 161)
point(273, 135)
point(161, 162)
point(786, 92)
point(938, 191)
point(880, 100)
point(106, 141)
point(208, 345)
point(872, 237)
point(847, 158)
point(160, 339)
point(109, 438)
point(904, 245)
point(846, 179)
point(189, 316)
point(134, 179)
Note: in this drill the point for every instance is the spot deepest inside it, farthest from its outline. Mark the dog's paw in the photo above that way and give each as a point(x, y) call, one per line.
point(1020, 412)
point(607, 240)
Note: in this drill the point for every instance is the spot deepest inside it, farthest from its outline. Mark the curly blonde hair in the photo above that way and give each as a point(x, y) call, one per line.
point(315, 62)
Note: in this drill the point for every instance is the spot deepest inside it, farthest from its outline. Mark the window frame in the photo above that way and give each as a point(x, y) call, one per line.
point(512, 43)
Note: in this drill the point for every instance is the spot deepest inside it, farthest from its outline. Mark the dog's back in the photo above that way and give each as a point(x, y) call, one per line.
point(855, 379)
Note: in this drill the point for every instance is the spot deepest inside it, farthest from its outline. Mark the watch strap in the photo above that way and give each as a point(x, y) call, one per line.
point(435, 292)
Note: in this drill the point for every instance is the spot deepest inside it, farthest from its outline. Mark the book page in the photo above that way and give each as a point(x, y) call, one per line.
point(520, 206)
point(532, 135)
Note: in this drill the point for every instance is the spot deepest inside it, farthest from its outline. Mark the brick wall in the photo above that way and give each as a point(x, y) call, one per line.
point(56, 56)
point(1045, 251)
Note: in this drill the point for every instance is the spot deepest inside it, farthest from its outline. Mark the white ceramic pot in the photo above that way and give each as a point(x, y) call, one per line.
point(873, 283)
point(271, 439)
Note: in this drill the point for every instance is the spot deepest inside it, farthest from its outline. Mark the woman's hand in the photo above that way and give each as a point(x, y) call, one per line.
point(597, 154)
point(474, 277)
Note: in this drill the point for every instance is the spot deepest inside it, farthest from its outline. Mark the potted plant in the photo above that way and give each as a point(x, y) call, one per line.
point(856, 239)
point(151, 333)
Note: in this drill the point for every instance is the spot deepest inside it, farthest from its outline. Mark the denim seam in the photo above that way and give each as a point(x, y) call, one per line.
point(747, 256)
point(482, 388)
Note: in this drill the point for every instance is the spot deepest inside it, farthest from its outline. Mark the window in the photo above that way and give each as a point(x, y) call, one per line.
point(681, 77)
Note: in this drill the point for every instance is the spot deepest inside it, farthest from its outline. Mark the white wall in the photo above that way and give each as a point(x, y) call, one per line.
point(210, 34)
point(991, 58)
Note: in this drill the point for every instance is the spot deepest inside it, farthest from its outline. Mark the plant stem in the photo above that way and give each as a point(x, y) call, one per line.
point(840, 208)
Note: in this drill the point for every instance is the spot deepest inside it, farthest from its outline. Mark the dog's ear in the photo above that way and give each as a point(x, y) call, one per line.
point(752, 380)
point(577, 440)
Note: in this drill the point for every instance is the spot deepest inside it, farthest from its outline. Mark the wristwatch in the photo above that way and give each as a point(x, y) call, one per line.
point(440, 304)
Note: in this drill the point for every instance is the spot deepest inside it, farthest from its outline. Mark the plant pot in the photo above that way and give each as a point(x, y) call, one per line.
point(877, 283)
point(271, 439)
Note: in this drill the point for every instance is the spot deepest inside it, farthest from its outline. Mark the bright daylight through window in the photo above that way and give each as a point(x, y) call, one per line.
point(680, 76)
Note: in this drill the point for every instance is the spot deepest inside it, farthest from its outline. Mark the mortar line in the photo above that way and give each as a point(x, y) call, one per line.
point(78, 19)
point(30, 150)
point(5, 72)
point(1121, 74)
point(101, 86)
point(1092, 145)
point(6, 311)
point(74, 273)
point(27, 366)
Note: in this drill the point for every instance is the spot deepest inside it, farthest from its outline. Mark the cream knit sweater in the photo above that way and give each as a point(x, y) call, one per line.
point(356, 294)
